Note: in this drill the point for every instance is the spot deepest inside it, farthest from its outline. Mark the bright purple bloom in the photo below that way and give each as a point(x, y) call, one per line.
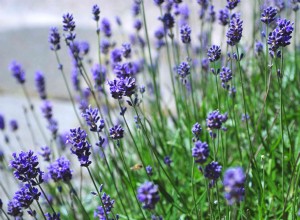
point(234, 185)
point(54, 39)
point(26, 167)
point(60, 170)
point(80, 146)
point(231, 4)
point(14, 208)
point(13, 124)
point(137, 24)
point(148, 195)
point(225, 76)
point(2, 122)
point(116, 132)
point(203, 3)
point(116, 88)
point(259, 47)
point(268, 15)
point(47, 109)
point(234, 34)
point(167, 160)
point(200, 152)
point(214, 53)
point(183, 70)
point(17, 71)
point(104, 46)
point(91, 116)
point(45, 153)
point(196, 129)
point(99, 76)
point(213, 170)
point(158, 2)
point(26, 195)
point(105, 27)
point(136, 9)
point(126, 50)
point(40, 84)
point(159, 33)
point(168, 21)
point(185, 32)
point(215, 120)
point(75, 79)
point(55, 216)
point(96, 12)
point(68, 22)
point(116, 56)
point(149, 170)
point(223, 17)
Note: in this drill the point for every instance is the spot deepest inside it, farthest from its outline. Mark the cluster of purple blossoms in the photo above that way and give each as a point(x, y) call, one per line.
point(45, 153)
point(26, 195)
point(280, 37)
point(96, 12)
point(148, 195)
point(168, 21)
point(168, 160)
point(26, 167)
point(223, 17)
point(136, 8)
point(116, 56)
point(234, 185)
point(54, 216)
point(54, 39)
point(225, 76)
point(127, 69)
point(2, 122)
point(14, 209)
point(99, 75)
point(17, 71)
point(185, 33)
point(215, 120)
point(69, 26)
point(60, 170)
point(122, 87)
point(126, 50)
point(214, 53)
point(149, 170)
point(91, 116)
point(196, 130)
point(259, 47)
point(80, 146)
point(104, 46)
point(183, 70)
point(40, 84)
point(213, 171)
point(108, 204)
point(47, 112)
point(200, 152)
point(268, 15)
point(116, 132)
point(13, 125)
point(138, 24)
point(105, 27)
point(234, 34)
point(231, 4)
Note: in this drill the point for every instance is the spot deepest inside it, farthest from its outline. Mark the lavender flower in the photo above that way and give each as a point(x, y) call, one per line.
point(14, 208)
point(259, 47)
point(168, 21)
point(234, 185)
point(137, 24)
point(214, 53)
point(268, 15)
point(2, 122)
point(158, 2)
point(99, 76)
point(80, 146)
point(60, 170)
point(159, 33)
point(196, 130)
point(200, 152)
point(105, 27)
point(92, 118)
point(234, 34)
point(55, 216)
point(231, 4)
point(203, 3)
point(17, 71)
point(54, 39)
point(96, 12)
point(167, 160)
point(280, 37)
point(26, 167)
point(213, 170)
point(185, 32)
point(68, 22)
point(45, 153)
point(126, 50)
point(223, 17)
point(215, 120)
point(13, 125)
point(116, 132)
point(40, 84)
point(183, 70)
point(116, 88)
point(225, 76)
point(148, 195)
point(116, 56)
point(47, 109)
point(149, 170)
point(26, 195)
point(136, 9)
point(104, 46)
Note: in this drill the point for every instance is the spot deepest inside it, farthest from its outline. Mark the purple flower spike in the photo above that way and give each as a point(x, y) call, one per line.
point(2, 122)
point(40, 84)
point(54, 39)
point(234, 185)
point(80, 146)
point(214, 53)
point(268, 15)
point(26, 195)
point(60, 170)
point(45, 153)
point(185, 32)
point(105, 27)
point(213, 170)
point(223, 17)
point(116, 132)
point(91, 116)
point(148, 195)
point(234, 34)
point(17, 71)
point(200, 152)
point(14, 208)
point(96, 12)
point(231, 4)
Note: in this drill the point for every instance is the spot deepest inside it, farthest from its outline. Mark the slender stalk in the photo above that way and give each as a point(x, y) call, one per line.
point(4, 213)
point(193, 189)
point(32, 213)
point(41, 209)
point(45, 196)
